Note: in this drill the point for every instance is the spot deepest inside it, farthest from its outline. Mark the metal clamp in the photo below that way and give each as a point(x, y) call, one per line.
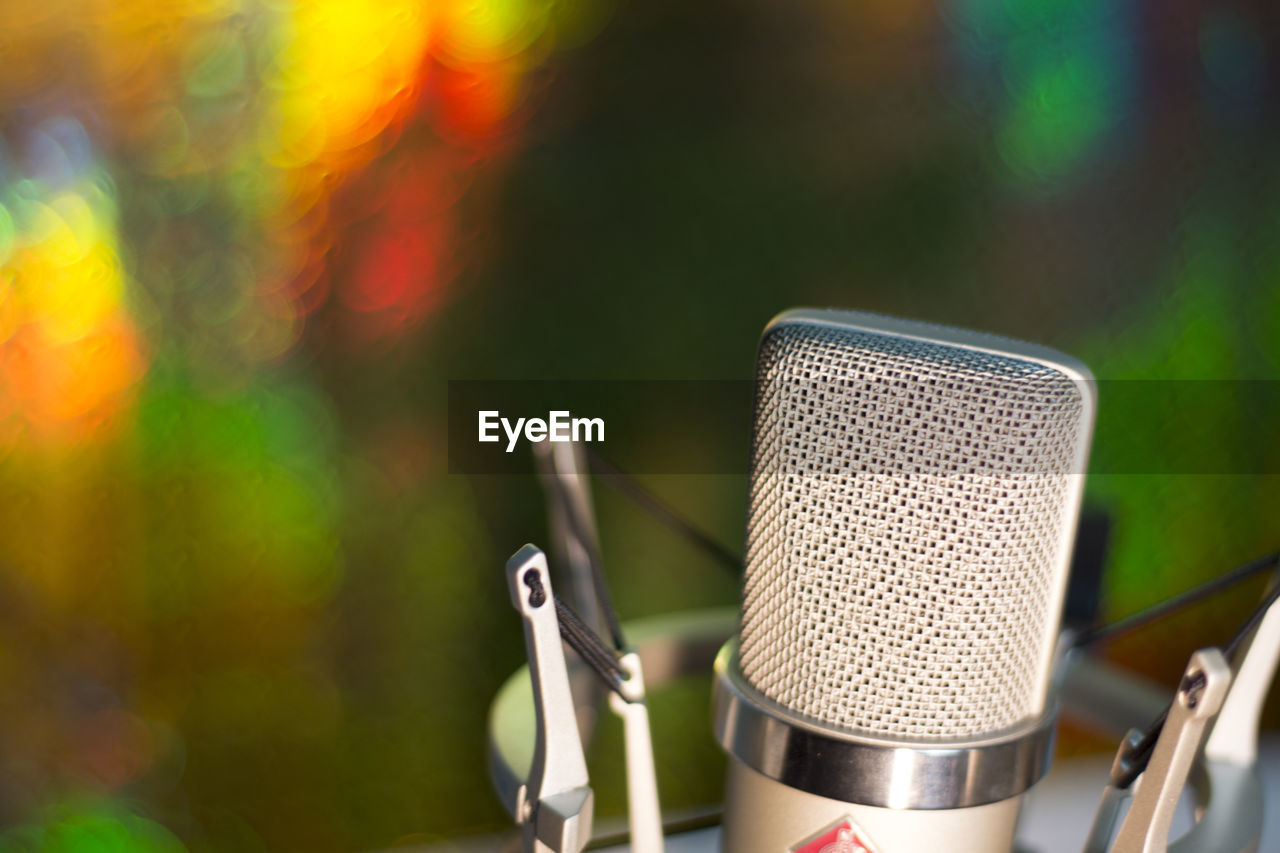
point(1198, 700)
point(672, 646)
point(644, 815)
point(1234, 738)
point(1200, 696)
point(556, 804)
point(1214, 718)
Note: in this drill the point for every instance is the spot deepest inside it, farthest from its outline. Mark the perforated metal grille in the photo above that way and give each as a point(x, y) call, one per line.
point(909, 511)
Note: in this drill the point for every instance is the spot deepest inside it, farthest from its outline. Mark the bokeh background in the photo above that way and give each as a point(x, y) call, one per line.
point(244, 244)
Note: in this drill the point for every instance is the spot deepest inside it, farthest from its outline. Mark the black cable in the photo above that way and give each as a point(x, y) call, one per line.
point(1177, 602)
point(579, 529)
point(602, 660)
point(1140, 756)
point(1255, 619)
point(633, 490)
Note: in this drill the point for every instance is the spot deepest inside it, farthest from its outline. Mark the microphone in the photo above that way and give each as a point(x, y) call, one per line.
point(914, 497)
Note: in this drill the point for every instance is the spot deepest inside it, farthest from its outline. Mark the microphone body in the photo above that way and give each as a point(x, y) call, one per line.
point(783, 818)
point(914, 496)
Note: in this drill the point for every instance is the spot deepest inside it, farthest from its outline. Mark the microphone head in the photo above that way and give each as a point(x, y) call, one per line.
point(914, 496)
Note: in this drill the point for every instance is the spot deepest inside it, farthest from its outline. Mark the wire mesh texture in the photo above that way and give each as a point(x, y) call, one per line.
point(911, 508)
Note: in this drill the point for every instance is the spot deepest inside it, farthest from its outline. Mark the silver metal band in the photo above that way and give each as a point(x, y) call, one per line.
point(874, 771)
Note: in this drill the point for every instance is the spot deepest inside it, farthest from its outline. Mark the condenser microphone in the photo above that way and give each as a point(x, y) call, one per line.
point(914, 496)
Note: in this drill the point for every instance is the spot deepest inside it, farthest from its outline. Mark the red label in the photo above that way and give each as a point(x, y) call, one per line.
point(844, 837)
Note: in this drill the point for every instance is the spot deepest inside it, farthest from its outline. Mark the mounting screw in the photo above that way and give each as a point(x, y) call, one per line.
point(1192, 687)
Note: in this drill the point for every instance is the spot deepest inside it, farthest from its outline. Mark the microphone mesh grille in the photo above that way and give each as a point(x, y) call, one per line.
point(910, 505)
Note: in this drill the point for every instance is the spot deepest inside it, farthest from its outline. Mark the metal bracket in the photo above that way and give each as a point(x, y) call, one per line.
point(672, 646)
point(1234, 739)
point(644, 814)
point(1213, 724)
point(1146, 827)
point(555, 805)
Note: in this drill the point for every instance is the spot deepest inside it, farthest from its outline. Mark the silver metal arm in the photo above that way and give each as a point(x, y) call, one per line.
point(643, 811)
point(1210, 741)
point(1199, 697)
point(1235, 735)
point(555, 805)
